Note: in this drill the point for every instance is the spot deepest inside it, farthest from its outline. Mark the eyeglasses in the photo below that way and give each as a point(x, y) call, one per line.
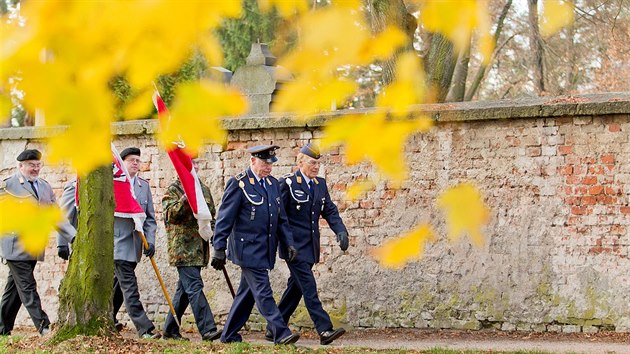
point(133, 160)
point(313, 163)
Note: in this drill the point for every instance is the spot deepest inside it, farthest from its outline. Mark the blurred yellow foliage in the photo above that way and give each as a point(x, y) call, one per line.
point(457, 20)
point(17, 217)
point(358, 188)
point(398, 252)
point(67, 52)
point(197, 112)
point(555, 15)
point(376, 138)
point(465, 212)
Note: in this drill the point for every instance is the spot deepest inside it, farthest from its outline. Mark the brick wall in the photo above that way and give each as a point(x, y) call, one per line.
point(553, 171)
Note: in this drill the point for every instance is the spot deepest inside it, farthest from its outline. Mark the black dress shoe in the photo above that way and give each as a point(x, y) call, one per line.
point(212, 335)
point(290, 339)
point(175, 336)
point(327, 337)
point(269, 335)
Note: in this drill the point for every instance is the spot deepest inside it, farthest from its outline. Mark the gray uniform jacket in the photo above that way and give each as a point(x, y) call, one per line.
point(127, 245)
point(66, 202)
point(17, 185)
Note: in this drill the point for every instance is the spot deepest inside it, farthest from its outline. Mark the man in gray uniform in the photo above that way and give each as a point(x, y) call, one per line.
point(128, 250)
point(21, 287)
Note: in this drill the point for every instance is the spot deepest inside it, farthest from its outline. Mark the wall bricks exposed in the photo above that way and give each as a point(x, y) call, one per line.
point(556, 256)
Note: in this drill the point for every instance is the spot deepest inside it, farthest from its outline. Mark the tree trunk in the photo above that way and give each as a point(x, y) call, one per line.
point(85, 305)
point(440, 65)
point(382, 13)
point(458, 89)
point(535, 42)
point(474, 86)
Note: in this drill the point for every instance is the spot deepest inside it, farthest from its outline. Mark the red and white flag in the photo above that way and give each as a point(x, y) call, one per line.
point(187, 175)
point(126, 204)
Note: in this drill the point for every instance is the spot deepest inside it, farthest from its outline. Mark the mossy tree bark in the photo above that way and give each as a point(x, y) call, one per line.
point(85, 305)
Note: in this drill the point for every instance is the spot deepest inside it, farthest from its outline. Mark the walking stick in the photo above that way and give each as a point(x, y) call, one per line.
point(159, 277)
point(227, 279)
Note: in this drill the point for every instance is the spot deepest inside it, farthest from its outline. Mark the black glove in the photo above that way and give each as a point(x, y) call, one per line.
point(63, 252)
point(292, 253)
point(149, 252)
point(342, 237)
point(218, 259)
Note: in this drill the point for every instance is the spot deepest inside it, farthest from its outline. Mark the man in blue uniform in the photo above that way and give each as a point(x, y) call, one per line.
point(252, 224)
point(305, 197)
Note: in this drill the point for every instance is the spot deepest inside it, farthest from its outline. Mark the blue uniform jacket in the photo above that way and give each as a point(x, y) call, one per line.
point(251, 222)
point(304, 212)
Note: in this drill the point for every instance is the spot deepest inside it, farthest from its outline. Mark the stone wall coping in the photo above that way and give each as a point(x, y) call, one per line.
point(528, 108)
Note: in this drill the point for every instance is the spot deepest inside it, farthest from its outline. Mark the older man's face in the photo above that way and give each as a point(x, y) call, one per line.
point(260, 167)
point(30, 169)
point(309, 166)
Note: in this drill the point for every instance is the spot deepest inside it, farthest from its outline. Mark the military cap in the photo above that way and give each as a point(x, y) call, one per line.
point(29, 154)
point(129, 151)
point(311, 150)
point(266, 153)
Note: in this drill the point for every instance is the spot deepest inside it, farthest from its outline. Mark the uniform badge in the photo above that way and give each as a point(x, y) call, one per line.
point(299, 179)
point(251, 180)
point(241, 184)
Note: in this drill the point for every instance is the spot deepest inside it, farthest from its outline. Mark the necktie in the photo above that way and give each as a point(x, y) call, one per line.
point(310, 187)
point(34, 189)
point(262, 183)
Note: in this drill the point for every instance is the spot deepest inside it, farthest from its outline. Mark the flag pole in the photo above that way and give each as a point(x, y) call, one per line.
point(159, 277)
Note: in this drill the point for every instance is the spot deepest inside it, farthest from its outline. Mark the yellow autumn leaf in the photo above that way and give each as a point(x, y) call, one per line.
point(323, 94)
point(17, 217)
point(398, 252)
point(140, 106)
point(455, 19)
point(556, 14)
point(358, 188)
point(286, 8)
point(408, 87)
point(197, 111)
point(465, 212)
point(383, 45)
point(375, 138)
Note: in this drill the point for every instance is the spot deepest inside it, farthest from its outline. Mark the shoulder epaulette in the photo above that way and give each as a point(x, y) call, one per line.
point(240, 176)
point(290, 174)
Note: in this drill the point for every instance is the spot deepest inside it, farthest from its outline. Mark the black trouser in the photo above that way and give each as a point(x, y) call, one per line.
point(190, 291)
point(126, 289)
point(302, 283)
point(21, 289)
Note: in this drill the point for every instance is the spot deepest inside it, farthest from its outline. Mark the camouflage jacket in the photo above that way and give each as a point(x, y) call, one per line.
point(185, 247)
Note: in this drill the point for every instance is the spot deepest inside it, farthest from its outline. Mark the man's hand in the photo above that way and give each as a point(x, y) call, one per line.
point(218, 259)
point(149, 252)
point(292, 253)
point(342, 237)
point(63, 252)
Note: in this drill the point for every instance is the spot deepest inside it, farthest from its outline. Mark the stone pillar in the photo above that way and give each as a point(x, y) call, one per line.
point(259, 79)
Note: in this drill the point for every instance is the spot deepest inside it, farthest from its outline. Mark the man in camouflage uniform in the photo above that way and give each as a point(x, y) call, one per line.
point(187, 251)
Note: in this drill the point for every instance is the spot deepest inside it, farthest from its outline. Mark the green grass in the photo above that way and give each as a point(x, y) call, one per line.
point(173, 347)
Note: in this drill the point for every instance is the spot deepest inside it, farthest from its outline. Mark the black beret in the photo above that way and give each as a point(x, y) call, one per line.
point(264, 152)
point(129, 151)
point(311, 150)
point(29, 154)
